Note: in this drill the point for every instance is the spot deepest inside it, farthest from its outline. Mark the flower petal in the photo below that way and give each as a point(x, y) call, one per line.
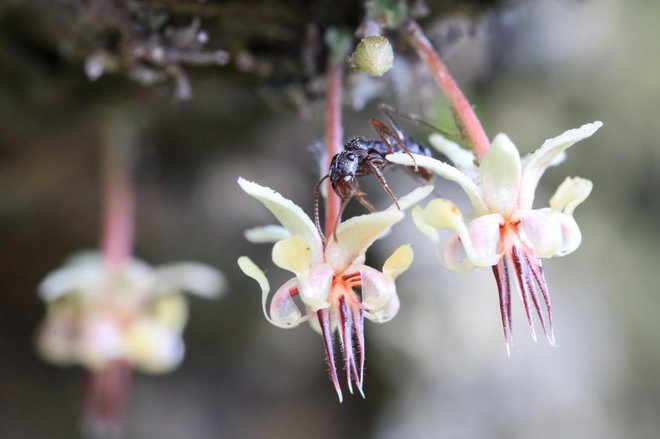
point(377, 289)
point(549, 233)
point(315, 286)
point(266, 234)
point(500, 175)
point(454, 257)
point(72, 277)
point(538, 161)
point(355, 235)
point(445, 171)
point(171, 311)
point(290, 215)
point(293, 254)
point(398, 262)
point(476, 242)
point(482, 240)
point(414, 197)
point(153, 348)
point(387, 313)
point(199, 279)
point(423, 226)
point(570, 194)
point(463, 159)
point(283, 310)
point(541, 231)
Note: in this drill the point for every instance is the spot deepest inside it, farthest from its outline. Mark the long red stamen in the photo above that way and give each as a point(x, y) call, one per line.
point(522, 287)
point(534, 265)
point(501, 272)
point(529, 280)
point(346, 333)
point(326, 331)
point(358, 325)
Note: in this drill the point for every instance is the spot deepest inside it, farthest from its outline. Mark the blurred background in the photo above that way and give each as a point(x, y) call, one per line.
point(533, 69)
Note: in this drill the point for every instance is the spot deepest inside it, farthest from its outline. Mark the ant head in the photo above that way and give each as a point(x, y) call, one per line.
point(355, 143)
point(342, 172)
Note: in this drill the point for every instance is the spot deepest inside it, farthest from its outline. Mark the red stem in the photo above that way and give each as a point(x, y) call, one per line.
point(107, 390)
point(333, 138)
point(104, 401)
point(119, 205)
point(465, 117)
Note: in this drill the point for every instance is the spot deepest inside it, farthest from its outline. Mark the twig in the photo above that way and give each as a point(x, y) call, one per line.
point(466, 119)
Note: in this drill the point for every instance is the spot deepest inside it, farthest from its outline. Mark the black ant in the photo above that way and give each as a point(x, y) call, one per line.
point(362, 157)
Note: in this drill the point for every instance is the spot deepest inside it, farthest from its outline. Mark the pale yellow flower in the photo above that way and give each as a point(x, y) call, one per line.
point(327, 276)
point(136, 313)
point(505, 232)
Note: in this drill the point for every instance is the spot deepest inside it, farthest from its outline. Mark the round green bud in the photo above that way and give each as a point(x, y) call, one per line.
point(373, 55)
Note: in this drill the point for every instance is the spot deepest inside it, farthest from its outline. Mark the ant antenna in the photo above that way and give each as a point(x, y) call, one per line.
point(389, 111)
point(344, 203)
point(317, 197)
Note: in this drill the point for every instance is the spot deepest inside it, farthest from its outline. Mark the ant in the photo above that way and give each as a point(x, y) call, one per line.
point(362, 157)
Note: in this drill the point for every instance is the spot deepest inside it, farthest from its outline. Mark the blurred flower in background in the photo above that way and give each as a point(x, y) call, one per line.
point(136, 314)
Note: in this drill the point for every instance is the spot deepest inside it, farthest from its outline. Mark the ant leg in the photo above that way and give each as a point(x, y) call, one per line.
point(389, 111)
point(381, 179)
point(362, 199)
point(386, 134)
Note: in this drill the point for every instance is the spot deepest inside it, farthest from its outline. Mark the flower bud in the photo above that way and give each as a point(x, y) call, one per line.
point(373, 55)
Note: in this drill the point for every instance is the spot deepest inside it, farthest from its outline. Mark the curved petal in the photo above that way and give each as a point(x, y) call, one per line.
point(398, 262)
point(315, 286)
point(476, 244)
point(283, 310)
point(387, 313)
point(153, 348)
point(171, 311)
point(290, 215)
point(440, 213)
point(482, 242)
point(414, 197)
point(570, 233)
point(423, 226)
point(293, 254)
point(57, 337)
point(570, 194)
point(500, 175)
point(266, 234)
point(538, 161)
point(71, 277)
point(377, 289)
point(193, 277)
point(454, 257)
point(549, 233)
point(445, 171)
point(462, 158)
point(355, 235)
